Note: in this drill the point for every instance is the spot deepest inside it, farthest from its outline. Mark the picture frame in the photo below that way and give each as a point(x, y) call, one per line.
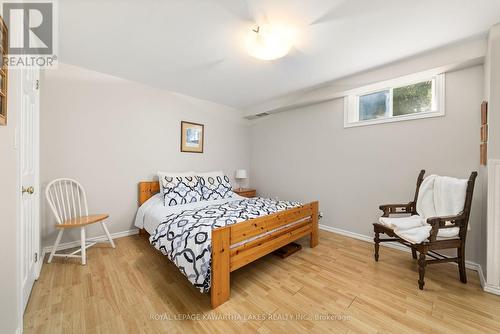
point(483, 147)
point(3, 72)
point(484, 133)
point(192, 137)
point(484, 113)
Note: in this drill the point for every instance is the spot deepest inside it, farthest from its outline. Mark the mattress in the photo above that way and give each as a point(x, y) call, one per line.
point(152, 212)
point(183, 232)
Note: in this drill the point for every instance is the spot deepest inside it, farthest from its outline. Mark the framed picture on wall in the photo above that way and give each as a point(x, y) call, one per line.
point(192, 137)
point(483, 148)
point(3, 73)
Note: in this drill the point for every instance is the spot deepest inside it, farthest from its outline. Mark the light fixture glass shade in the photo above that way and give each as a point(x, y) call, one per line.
point(241, 174)
point(268, 42)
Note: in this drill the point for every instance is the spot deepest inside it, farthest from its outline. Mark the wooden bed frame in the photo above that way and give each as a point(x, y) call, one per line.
point(226, 259)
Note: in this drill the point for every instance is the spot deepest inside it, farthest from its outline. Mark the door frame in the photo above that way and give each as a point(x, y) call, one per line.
point(18, 87)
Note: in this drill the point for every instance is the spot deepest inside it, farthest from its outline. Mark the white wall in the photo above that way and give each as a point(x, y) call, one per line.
point(9, 193)
point(492, 79)
point(111, 133)
point(306, 154)
point(490, 207)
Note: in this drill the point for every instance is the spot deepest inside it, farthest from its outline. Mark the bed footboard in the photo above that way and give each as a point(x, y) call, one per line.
point(226, 259)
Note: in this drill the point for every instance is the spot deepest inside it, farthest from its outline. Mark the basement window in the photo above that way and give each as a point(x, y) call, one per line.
point(406, 98)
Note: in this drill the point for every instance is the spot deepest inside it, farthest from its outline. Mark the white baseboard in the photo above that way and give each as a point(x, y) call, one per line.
point(396, 245)
point(362, 237)
point(477, 267)
point(39, 265)
point(74, 244)
point(492, 289)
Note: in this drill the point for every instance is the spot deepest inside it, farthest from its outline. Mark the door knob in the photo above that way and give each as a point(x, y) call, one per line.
point(29, 190)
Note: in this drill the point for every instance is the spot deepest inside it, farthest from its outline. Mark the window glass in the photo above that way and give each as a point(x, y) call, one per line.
point(375, 105)
point(412, 99)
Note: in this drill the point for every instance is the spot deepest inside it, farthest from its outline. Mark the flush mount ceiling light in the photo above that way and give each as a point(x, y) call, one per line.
point(269, 42)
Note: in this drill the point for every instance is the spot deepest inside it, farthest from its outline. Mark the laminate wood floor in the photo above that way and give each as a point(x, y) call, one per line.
point(336, 287)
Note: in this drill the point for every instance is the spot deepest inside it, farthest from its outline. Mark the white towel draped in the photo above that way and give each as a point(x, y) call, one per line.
point(402, 222)
point(425, 201)
point(415, 235)
point(449, 195)
point(438, 196)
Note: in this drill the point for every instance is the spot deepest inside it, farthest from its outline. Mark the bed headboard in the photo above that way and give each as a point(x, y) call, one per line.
point(147, 190)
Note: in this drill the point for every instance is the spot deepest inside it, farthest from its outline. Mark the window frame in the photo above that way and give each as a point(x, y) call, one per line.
point(351, 100)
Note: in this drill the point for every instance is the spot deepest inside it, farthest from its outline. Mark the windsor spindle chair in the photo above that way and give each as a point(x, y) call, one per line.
point(67, 199)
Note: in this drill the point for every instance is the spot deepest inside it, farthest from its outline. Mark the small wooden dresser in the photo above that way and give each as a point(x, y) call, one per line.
point(246, 192)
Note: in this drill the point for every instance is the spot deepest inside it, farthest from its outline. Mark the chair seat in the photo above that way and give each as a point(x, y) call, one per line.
point(415, 221)
point(81, 221)
point(439, 238)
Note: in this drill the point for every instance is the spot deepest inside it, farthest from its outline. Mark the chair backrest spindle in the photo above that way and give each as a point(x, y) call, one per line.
point(73, 200)
point(60, 195)
point(79, 202)
point(67, 199)
point(420, 179)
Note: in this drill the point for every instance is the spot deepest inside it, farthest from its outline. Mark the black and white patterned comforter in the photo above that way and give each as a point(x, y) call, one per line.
point(186, 237)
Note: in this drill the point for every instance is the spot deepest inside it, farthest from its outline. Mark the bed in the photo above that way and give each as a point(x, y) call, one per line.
point(242, 230)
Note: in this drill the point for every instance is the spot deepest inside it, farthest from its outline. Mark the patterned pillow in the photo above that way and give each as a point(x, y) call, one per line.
point(161, 175)
point(180, 189)
point(215, 187)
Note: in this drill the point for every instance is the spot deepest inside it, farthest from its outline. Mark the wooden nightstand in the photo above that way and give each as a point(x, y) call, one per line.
point(246, 192)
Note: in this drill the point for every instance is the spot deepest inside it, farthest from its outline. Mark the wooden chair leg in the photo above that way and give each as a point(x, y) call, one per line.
point(461, 265)
point(83, 246)
point(421, 269)
point(56, 244)
point(376, 240)
point(107, 234)
point(414, 253)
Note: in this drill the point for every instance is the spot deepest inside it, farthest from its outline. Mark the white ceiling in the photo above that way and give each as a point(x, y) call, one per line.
point(196, 47)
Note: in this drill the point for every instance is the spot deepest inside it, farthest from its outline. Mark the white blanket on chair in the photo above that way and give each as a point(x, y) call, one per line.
point(402, 223)
point(425, 201)
point(449, 195)
point(438, 196)
point(415, 235)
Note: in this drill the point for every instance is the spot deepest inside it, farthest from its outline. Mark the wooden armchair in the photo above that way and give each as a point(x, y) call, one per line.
point(433, 243)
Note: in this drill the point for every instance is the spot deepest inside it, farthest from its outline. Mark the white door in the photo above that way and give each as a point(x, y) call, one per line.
point(30, 189)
